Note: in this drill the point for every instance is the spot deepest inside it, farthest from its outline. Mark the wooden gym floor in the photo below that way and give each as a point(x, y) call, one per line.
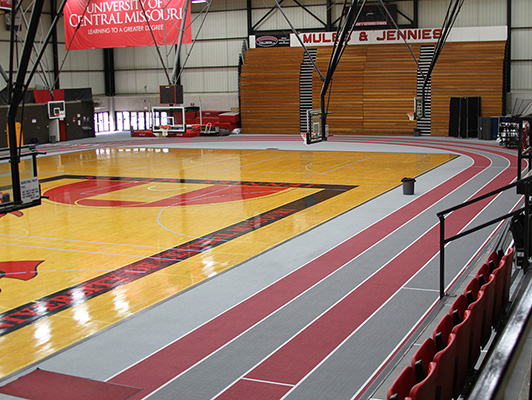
point(236, 267)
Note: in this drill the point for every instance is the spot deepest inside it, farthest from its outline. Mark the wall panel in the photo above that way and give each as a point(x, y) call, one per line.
point(220, 80)
point(223, 25)
point(83, 79)
point(521, 76)
point(135, 81)
point(473, 13)
point(222, 5)
point(522, 44)
point(213, 54)
point(297, 16)
point(521, 13)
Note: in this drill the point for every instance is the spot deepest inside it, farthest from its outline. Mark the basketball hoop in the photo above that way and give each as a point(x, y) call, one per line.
point(164, 130)
point(411, 116)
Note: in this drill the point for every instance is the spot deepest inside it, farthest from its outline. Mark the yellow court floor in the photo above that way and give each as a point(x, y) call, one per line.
point(125, 228)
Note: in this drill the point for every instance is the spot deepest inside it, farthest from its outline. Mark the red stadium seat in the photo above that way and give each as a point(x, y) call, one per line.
point(478, 316)
point(463, 347)
point(489, 295)
point(498, 295)
point(458, 308)
point(400, 388)
point(445, 361)
point(494, 257)
point(506, 264)
point(442, 331)
point(483, 274)
point(471, 290)
point(426, 389)
point(422, 358)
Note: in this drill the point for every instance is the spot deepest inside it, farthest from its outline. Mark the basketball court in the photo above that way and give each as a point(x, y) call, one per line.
point(224, 267)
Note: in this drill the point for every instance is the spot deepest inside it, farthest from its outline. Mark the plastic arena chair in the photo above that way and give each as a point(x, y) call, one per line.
point(445, 376)
point(493, 257)
point(506, 265)
point(463, 351)
point(441, 333)
point(426, 389)
point(489, 305)
point(477, 316)
point(498, 277)
point(471, 290)
point(483, 274)
point(422, 358)
point(400, 388)
point(458, 309)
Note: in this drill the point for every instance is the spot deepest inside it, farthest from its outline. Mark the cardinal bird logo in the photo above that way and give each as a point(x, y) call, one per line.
point(23, 270)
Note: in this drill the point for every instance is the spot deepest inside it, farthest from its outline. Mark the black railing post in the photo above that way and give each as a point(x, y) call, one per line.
point(442, 255)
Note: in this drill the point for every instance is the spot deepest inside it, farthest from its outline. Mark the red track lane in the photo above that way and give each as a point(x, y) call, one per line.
point(164, 365)
point(299, 356)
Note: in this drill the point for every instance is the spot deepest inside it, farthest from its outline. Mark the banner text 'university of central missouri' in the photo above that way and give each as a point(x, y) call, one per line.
point(123, 23)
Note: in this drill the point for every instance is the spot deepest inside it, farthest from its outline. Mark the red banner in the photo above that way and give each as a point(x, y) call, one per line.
point(98, 24)
point(5, 5)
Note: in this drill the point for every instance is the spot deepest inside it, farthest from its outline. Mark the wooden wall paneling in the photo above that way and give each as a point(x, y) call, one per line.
point(373, 88)
point(389, 89)
point(269, 90)
point(346, 95)
point(467, 70)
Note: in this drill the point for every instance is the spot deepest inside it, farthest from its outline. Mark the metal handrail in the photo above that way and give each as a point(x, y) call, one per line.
point(30, 147)
point(522, 183)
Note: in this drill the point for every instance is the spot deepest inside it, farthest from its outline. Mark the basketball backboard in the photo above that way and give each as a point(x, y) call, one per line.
point(168, 120)
point(315, 132)
point(56, 109)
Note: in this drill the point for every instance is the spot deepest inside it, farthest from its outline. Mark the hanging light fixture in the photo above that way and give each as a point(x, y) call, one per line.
point(198, 1)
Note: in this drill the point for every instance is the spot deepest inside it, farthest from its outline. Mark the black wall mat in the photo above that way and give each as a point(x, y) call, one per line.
point(464, 114)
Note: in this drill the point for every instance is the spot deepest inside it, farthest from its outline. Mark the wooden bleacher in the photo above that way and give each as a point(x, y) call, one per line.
point(467, 70)
point(269, 90)
point(372, 90)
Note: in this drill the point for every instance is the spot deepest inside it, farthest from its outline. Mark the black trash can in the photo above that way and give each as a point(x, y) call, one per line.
point(408, 185)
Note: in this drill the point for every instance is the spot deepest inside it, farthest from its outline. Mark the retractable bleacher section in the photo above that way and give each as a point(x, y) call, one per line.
point(467, 69)
point(443, 363)
point(373, 87)
point(269, 90)
point(346, 100)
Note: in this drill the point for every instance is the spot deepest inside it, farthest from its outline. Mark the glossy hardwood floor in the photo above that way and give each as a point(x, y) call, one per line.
point(125, 228)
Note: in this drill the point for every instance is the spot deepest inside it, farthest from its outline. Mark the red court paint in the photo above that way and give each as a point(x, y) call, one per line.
point(85, 193)
point(23, 270)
